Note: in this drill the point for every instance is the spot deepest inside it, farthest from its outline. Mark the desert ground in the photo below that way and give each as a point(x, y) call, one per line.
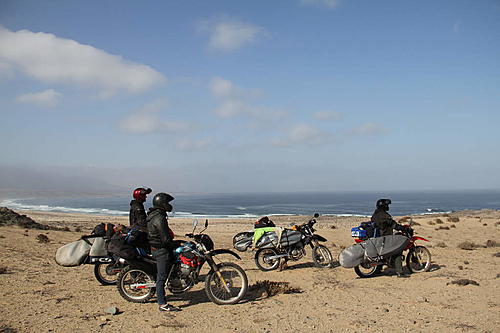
point(37, 295)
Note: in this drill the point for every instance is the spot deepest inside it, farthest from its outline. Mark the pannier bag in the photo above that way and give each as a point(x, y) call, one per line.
point(242, 241)
point(74, 253)
point(119, 246)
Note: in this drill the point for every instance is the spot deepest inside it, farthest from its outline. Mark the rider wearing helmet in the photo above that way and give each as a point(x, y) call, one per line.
point(385, 223)
point(162, 245)
point(137, 215)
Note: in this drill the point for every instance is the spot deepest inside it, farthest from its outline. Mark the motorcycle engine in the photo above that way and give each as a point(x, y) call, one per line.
point(297, 252)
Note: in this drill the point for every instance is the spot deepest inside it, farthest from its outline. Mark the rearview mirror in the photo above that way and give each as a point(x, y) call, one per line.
point(316, 215)
point(206, 223)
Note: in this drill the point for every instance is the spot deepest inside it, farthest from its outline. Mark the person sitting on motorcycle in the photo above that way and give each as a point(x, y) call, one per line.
point(385, 223)
point(162, 245)
point(137, 214)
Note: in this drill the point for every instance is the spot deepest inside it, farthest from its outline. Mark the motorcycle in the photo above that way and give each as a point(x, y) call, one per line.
point(292, 246)
point(418, 258)
point(225, 283)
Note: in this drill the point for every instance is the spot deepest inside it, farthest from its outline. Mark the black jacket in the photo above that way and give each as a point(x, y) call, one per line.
point(158, 234)
point(384, 222)
point(137, 215)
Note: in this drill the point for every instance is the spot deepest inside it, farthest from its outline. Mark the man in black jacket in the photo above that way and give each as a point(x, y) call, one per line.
point(384, 222)
point(137, 215)
point(161, 243)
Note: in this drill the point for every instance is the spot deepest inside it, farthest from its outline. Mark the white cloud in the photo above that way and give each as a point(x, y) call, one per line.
point(228, 34)
point(303, 134)
point(147, 120)
point(321, 3)
point(51, 59)
point(47, 98)
point(192, 145)
point(221, 87)
point(327, 115)
point(369, 129)
point(235, 101)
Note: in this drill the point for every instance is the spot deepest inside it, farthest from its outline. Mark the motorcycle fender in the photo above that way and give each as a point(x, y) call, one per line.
point(224, 251)
point(419, 238)
point(319, 238)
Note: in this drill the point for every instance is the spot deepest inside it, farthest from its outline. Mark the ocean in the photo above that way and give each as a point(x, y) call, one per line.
point(259, 204)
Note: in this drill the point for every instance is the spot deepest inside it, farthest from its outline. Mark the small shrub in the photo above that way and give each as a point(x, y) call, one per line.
point(42, 238)
point(453, 219)
point(441, 244)
point(3, 270)
point(333, 227)
point(485, 224)
point(496, 254)
point(467, 245)
point(463, 282)
point(415, 224)
point(439, 221)
point(453, 226)
point(443, 228)
point(78, 229)
point(431, 223)
point(268, 288)
point(492, 243)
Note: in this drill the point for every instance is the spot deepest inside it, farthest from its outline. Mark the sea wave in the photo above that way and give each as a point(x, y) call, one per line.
point(12, 204)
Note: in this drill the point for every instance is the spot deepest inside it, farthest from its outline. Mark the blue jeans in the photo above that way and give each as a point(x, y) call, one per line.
point(163, 258)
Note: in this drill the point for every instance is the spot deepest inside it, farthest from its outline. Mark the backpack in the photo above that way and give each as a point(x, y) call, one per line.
point(264, 222)
point(119, 246)
point(104, 230)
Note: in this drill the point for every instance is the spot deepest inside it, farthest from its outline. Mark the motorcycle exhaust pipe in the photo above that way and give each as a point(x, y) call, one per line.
point(277, 256)
point(143, 285)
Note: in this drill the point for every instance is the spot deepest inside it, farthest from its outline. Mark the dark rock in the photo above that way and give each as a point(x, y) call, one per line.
point(492, 243)
point(42, 238)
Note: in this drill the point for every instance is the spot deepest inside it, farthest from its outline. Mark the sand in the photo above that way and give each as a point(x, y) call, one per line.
point(37, 295)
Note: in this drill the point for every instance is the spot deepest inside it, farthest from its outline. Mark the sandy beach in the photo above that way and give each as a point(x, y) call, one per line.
point(38, 295)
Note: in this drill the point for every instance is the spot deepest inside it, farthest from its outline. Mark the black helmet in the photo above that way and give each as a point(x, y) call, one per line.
point(383, 203)
point(161, 200)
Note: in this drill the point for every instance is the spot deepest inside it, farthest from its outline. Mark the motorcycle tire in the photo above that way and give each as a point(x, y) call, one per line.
point(265, 264)
point(101, 273)
point(321, 256)
point(418, 259)
point(129, 276)
point(365, 272)
point(231, 288)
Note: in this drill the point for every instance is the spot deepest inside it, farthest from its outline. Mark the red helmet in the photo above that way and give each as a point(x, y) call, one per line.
point(140, 193)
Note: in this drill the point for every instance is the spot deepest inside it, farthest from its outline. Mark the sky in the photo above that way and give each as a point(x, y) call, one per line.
point(251, 96)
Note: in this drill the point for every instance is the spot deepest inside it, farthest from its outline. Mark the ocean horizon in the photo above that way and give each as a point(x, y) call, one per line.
point(250, 205)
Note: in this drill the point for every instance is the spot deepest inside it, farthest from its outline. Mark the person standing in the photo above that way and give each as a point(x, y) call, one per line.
point(385, 223)
point(137, 214)
point(161, 242)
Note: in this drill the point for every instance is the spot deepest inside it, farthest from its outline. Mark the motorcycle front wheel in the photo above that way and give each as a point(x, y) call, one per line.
point(130, 285)
point(227, 285)
point(264, 260)
point(107, 274)
point(321, 256)
point(365, 270)
point(418, 259)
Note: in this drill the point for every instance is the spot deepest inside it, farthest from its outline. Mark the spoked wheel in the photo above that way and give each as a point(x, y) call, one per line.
point(107, 274)
point(228, 285)
point(265, 261)
point(135, 285)
point(322, 256)
point(366, 270)
point(418, 259)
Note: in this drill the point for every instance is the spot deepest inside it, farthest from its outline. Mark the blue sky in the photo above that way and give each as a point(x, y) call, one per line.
point(234, 96)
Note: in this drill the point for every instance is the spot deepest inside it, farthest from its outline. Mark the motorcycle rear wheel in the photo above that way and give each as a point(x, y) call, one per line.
point(418, 259)
point(264, 263)
point(129, 276)
point(321, 256)
point(367, 271)
point(102, 273)
point(234, 278)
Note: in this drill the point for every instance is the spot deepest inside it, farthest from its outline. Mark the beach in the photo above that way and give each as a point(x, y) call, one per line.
point(39, 295)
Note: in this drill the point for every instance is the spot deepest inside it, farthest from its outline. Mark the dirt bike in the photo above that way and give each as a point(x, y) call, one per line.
point(418, 258)
point(225, 283)
point(292, 247)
